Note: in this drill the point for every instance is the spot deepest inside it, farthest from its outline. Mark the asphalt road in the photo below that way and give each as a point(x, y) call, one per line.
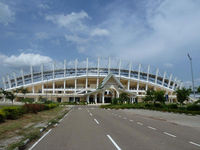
point(92, 128)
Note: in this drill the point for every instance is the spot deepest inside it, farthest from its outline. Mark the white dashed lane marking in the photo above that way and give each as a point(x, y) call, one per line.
point(169, 134)
point(151, 127)
point(114, 143)
point(140, 123)
point(96, 121)
point(194, 143)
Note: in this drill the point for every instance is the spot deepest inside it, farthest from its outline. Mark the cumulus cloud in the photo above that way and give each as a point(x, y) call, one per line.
point(41, 35)
point(99, 32)
point(6, 14)
point(72, 21)
point(24, 59)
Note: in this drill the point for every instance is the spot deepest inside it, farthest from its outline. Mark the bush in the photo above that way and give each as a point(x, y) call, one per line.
point(48, 102)
point(172, 106)
point(50, 106)
point(115, 101)
point(2, 116)
point(27, 100)
point(34, 108)
point(193, 107)
point(13, 112)
point(148, 105)
point(158, 105)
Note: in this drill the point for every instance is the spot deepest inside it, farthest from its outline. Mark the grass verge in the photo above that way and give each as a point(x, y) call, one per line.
point(158, 107)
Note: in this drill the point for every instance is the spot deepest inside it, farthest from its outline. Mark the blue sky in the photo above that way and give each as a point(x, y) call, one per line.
point(155, 32)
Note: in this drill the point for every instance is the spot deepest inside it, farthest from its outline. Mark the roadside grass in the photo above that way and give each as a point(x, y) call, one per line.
point(28, 125)
point(157, 107)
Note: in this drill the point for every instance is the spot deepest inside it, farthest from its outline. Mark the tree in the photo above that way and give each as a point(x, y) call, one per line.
point(124, 97)
point(22, 90)
point(198, 89)
point(182, 95)
point(159, 96)
point(9, 95)
point(149, 95)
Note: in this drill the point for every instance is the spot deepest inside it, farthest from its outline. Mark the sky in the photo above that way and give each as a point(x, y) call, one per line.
point(156, 32)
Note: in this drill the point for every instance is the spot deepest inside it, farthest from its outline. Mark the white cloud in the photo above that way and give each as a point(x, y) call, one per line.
point(168, 65)
point(6, 14)
point(99, 32)
point(71, 21)
point(43, 6)
point(24, 59)
point(75, 39)
point(41, 35)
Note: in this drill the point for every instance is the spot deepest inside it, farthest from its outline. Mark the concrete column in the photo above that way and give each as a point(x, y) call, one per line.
point(53, 87)
point(22, 72)
point(65, 67)
point(42, 77)
point(14, 74)
point(156, 79)
point(9, 82)
point(87, 99)
point(109, 65)
point(129, 75)
point(103, 97)
point(98, 65)
point(119, 74)
point(31, 71)
point(42, 88)
point(148, 70)
point(174, 84)
point(170, 78)
point(163, 81)
point(75, 83)
point(4, 82)
point(64, 86)
point(95, 99)
point(138, 86)
point(53, 70)
point(86, 82)
point(33, 89)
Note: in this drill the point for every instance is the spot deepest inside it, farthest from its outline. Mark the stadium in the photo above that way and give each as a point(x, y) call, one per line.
point(95, 82)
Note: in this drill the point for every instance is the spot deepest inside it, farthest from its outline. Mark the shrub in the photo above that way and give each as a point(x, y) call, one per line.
point(2, 116)
point(158, 105)
point(34, 108)
point(148, 105)
point(13, 112)
point(172, 106)
point(27, 100)
point(115, 101)
point(50, 106)
point(193, 107)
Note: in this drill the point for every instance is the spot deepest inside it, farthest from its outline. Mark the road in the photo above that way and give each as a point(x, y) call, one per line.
point(92, 128)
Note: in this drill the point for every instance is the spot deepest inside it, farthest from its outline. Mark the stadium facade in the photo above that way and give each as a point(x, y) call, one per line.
point(92, 82)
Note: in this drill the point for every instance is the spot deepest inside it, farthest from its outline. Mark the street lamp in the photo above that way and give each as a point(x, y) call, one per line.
point(190, 58)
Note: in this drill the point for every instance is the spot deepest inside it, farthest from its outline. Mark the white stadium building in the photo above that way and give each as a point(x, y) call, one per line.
point(92, 82)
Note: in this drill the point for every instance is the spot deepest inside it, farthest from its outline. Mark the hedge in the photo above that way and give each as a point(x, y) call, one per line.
point(2, 116)
point(15, 112)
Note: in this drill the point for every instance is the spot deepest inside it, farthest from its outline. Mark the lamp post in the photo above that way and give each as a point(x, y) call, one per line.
point(190, 58)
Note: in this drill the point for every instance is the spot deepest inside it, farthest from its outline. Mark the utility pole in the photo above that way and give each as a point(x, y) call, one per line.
point(190, 58)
